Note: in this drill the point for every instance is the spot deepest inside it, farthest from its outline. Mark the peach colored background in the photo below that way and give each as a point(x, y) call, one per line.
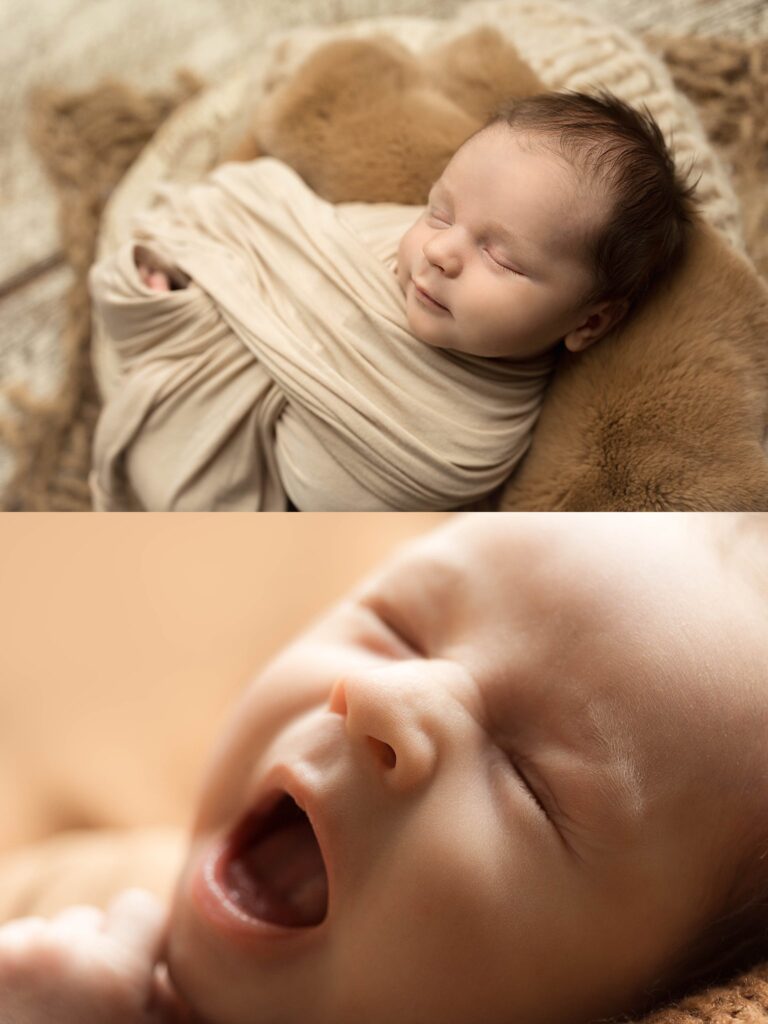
point(125, 637)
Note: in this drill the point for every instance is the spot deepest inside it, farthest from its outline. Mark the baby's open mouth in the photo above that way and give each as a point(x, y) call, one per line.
point(275, 871)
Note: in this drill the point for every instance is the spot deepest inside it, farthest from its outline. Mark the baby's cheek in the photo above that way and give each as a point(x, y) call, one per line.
point(407, 252)
point(400, 265)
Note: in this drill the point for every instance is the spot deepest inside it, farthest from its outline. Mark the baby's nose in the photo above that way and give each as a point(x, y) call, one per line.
point(391, 725)
point(441, 254)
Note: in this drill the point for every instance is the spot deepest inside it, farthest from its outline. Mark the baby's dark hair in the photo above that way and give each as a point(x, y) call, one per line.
point(624, 153)
point(733, 939)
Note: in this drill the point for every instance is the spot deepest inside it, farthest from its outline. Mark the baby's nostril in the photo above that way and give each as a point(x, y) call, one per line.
point(383, 752)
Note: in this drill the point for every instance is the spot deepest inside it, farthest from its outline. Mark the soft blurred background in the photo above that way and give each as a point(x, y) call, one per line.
point(126, 637)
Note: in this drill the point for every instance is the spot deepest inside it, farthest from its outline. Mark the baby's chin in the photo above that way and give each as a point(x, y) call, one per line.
point(418, 337)
point(247, 900)
point(444, 344)
point(433, 341)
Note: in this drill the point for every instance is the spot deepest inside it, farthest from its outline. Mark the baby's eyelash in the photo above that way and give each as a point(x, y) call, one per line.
point(531, 792)
point(395, 628)
point(503, 266)
point(434, 215)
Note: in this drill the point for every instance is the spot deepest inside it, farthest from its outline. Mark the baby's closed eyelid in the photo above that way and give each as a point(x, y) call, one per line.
point(503, 266)
point(517, 764)
point(395, 625)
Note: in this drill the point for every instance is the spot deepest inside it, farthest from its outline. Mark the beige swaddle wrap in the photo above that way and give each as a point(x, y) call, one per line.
point(286, 367)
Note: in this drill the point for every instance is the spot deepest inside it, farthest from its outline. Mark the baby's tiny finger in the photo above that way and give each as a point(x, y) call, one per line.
point(78, 919)
point(135, 919)
point(159, 281)
point(22, 930)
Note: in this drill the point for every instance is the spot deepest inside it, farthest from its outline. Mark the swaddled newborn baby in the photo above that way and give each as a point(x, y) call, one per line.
point(517, 777)
point(274, 346)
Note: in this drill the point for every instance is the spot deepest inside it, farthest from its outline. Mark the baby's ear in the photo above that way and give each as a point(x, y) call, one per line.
point(600, 320)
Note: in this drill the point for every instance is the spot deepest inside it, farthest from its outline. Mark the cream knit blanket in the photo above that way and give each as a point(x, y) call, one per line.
point(287, 366)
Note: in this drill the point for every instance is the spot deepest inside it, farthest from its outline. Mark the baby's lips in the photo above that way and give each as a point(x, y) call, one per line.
point(274, 870)
point(430, 296)
point(286, 780)
point(267, 882)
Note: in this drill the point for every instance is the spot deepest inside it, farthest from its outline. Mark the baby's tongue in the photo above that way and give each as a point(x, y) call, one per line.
point(281, 877)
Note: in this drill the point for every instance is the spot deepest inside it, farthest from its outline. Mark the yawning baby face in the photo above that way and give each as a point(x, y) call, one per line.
point(481, 790)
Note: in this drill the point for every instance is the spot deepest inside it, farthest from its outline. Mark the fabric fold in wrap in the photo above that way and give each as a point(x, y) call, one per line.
point(286, 366)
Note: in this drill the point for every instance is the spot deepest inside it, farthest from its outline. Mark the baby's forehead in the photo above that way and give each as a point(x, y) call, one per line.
point(483, 549)
point(571, 174)
point(576, 202)
point(637, 583)
point(494, 586)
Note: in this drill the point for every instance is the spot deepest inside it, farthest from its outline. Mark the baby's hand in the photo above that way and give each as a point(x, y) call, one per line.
point(84, 965)
point(156, 276)
point(157, 280)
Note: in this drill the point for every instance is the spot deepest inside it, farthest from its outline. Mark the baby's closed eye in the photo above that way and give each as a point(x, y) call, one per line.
point(439, 220)
point(499, 262)
point(398, 639)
